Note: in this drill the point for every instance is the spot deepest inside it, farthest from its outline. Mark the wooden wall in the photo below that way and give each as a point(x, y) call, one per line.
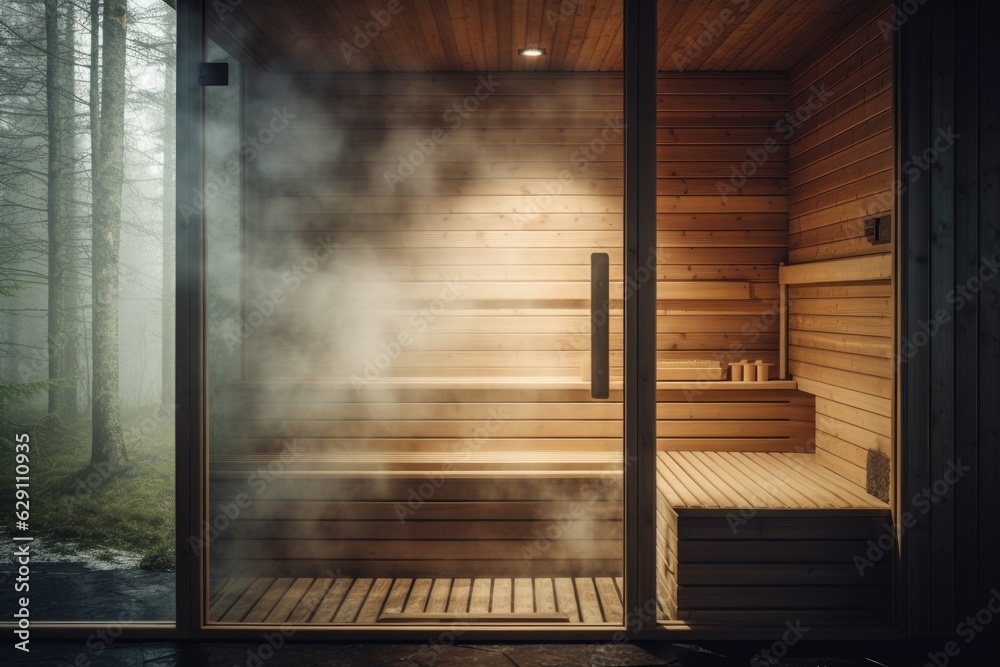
point(417, 310)
point(354, 484)
point(951, 382)
point(731, 417)
point(840, 172)
point(464, 235)
point(722, 211)
point(781, 566)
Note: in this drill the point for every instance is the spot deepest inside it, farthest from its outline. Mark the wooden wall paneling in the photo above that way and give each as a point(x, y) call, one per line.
point(707, 216)
point(479, 35)
point(465, 288)
point(782, 563)
point(841, 326)
point(716, 417)
point(405, 238)
point(950, 220)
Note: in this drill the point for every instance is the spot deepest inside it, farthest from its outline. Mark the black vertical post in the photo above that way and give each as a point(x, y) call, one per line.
point(943, 279)
point(987, 357)
point(966, 366)
point(915, 36)
point(640, 313)
point(190, 385)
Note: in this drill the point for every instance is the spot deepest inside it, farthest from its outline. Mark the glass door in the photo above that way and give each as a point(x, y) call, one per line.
point(414, 291)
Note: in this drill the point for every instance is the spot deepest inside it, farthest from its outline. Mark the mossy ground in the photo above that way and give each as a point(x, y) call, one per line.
point(75, 506)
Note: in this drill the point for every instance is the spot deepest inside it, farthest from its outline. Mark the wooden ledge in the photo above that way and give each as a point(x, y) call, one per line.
point(443, 382)
point(726, 385)
point(419, 476)
point(853, 269)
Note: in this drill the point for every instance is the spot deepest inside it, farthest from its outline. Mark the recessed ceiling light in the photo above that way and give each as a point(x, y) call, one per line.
point(535, 52)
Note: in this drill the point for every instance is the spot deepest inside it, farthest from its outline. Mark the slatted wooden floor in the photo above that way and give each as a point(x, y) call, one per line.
point(763, 480)
point(321, 601)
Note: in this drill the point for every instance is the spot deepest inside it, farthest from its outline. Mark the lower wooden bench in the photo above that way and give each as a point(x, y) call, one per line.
point(486, 522)
point(768, 538)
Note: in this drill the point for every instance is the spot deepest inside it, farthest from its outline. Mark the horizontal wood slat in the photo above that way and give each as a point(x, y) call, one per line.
point(400, 263)
point(741, 534)
point(853, 269)
point(841, 304)
point(731, 205)
point(372, 600)
point(708, 416)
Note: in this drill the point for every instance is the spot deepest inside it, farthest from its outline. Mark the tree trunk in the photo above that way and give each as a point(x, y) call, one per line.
point(62, 335)
point(95, 89)
point(168, 137)
point(108, 448)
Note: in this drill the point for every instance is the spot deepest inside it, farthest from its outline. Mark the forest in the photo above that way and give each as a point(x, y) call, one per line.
point(87, 182)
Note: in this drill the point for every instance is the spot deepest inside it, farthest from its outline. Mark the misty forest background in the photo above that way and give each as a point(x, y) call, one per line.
point(87, 139)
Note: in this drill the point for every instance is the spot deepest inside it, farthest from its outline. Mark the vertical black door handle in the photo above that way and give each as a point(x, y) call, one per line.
point(599, 325)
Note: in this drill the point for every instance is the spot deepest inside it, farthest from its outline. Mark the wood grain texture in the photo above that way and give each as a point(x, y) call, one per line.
point(481, 35)
point(366, 601)
point(453, 248)
point(753, 536)
point(841, 308)
point(723, 200)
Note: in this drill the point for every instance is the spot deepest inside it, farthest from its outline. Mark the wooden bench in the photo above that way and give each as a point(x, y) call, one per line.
point(457, 477)
point(766, 537)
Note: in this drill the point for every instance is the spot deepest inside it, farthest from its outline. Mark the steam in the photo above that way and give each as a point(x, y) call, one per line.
point(385, 277)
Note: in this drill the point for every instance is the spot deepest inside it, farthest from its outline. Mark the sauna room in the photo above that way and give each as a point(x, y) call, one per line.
point(417, 332)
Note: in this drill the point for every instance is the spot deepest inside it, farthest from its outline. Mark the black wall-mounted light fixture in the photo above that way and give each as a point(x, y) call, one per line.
point(878, 230)
point(213, 74)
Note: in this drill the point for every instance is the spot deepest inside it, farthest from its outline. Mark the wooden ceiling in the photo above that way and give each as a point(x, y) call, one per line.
point(484, 35)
